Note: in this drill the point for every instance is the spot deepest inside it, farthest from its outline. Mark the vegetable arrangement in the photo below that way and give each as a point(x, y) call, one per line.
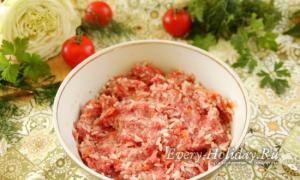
point(98, 17)
point(76, 49)
point(177, 23)
point(33, 31)
point(45, 26)
point(21, 69)
point(17, 66)
point(244, 23)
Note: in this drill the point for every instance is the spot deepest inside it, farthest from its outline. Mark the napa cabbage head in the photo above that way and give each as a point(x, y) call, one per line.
point(46, 23)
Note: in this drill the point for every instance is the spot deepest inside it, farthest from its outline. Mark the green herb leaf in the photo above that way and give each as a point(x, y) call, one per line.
point(204, 42)
point(280, 86)
point(278, 65)
point(255, 25)
point(21, 45)
point(7, 48)
point(294, 31)
point(275, 82)
point(18, 46)
point(114, 27)
point(22, 66)
point(263, 10)
point(10, 73)
point(268, 41)
point(196, 9)
point(266, 81)
point(8, 128)
point(3, 62)
point(280, 70)
point(46, 94)
point(240, 42)
point(35, 67)
point(242, 22)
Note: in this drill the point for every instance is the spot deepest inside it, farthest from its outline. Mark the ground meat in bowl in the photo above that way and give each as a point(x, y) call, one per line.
point(125, 132)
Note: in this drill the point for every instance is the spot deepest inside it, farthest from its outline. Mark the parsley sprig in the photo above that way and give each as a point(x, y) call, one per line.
point(246, 59)
point(275, 79)
point(246, 23)
point(17, 66)
point(23, 70)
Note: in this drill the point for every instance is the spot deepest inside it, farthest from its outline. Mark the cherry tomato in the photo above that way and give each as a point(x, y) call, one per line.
point(76, 49)
point(98, 13)
point(177, 23)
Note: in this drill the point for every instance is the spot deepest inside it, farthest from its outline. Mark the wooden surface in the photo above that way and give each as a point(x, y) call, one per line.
point(59, 68)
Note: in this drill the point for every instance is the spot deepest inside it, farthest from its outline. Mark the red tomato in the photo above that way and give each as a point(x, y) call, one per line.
point(177, 23)
point(98, 13)
point(75, 50)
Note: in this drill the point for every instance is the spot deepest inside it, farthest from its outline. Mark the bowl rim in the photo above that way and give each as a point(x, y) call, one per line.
point(139, 42)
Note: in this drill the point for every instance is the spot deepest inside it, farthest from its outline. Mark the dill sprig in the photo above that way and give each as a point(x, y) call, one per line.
point(8, 128)
point(113, 28)
point(46, 94)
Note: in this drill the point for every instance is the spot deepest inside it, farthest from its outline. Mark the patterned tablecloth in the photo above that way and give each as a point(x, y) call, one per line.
point(35, 153)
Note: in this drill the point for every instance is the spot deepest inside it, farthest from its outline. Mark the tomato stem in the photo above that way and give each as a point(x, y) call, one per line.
point(175, 11)
point(79, 33)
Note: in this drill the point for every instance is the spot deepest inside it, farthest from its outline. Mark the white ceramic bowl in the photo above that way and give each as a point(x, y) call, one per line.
point(85, 81)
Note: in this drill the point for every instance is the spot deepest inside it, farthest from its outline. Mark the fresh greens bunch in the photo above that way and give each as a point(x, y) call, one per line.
point(244, 23)
point(46, 94)
point(27, 71)
point(223, 18)
point(17, 66)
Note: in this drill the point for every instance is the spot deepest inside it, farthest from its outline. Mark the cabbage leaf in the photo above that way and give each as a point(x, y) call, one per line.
point(46, 23)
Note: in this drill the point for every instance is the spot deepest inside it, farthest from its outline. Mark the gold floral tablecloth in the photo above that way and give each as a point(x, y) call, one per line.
point(35, 152)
